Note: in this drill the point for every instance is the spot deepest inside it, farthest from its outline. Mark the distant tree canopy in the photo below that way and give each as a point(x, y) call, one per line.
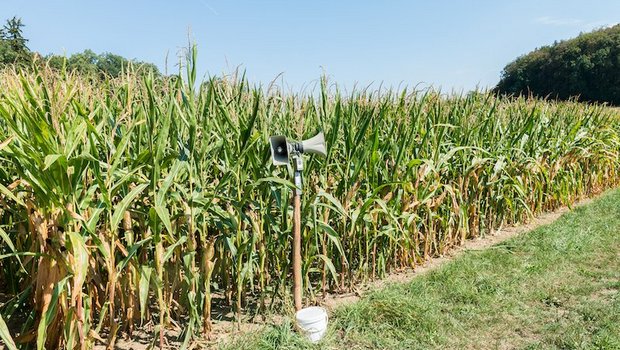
point(13, 51)
point(587, 66)
point(90, 63)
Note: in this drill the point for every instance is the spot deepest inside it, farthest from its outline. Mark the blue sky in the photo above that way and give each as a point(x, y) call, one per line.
point(455, 45)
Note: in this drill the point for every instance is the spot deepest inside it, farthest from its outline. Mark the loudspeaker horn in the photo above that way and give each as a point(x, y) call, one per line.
point(279, 150)
point(315, 145)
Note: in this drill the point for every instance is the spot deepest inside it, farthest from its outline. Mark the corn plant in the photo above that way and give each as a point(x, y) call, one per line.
point(145, 199)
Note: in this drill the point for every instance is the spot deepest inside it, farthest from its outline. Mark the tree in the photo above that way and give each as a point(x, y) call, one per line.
point(102, 65)
point(586, 67)
point(13, 49)
point(84, 62)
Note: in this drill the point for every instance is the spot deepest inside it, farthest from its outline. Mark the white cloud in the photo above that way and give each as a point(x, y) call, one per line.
point(554, 21)
point(600, 24)
point(574, 22)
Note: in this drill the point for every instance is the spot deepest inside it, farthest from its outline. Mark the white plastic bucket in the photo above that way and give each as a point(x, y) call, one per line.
point(313, 322)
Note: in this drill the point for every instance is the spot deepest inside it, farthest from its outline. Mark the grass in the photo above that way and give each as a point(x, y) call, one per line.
point(556, 287)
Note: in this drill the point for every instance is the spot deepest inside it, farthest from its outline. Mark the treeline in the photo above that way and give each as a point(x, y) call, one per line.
point(14, 51)
point(586, 67)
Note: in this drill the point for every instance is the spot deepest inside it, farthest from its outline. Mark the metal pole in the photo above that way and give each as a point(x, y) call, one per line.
point(297, 233)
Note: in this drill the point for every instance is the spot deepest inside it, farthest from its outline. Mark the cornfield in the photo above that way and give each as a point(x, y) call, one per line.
point(143, 199)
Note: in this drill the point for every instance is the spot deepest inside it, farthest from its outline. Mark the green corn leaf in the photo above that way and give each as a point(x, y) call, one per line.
point(333, 201)
point(330, 266)
point(277, 180)
point(80, 254)
point(51, 159)
point(5, 237)
point(124, 204)
point(333, 236)
point(6, 336)
point(131, 253)
point(143, 288)
point(47, 318)
point(171, 248)
point(164, 216)
point(10, 195)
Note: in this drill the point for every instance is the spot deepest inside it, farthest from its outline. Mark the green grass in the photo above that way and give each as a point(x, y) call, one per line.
point(556, 287)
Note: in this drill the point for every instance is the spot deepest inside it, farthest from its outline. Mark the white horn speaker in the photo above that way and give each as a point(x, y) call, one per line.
point(315, 145)
point(279, 150)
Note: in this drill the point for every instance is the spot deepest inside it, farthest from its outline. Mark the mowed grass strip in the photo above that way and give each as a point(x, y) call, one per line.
point(556, 287)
